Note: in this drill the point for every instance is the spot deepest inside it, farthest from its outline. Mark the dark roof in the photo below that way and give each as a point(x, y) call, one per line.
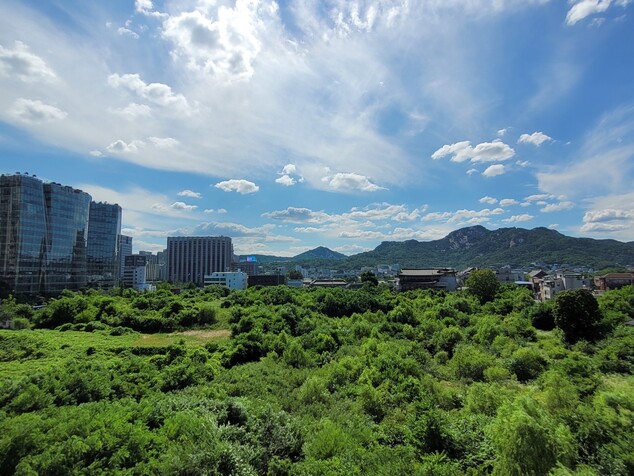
point(427, 272)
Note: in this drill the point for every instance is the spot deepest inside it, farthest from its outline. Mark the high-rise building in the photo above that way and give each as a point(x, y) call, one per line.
point(191, 258)
point(43, 236)
point(23, 235)
point(125, 249)
point(104, 229)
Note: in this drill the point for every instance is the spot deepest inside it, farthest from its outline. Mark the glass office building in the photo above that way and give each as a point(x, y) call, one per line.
point(102, 256)
point(44, 230)
point(23, 235)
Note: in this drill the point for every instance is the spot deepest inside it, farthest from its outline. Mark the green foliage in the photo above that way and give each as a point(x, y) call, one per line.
point(577, 314)
point(279, 381)
point(484, 284)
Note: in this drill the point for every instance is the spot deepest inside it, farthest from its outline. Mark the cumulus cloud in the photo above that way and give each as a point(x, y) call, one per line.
point(518, 218)
point(557, 207)
point(607, 215)
point(20, 63)
point(286, 180)
point(489, 200)
point(241, 186)
point(474, 216)
point(298, 215)
point(220, 40)
point(121, 147)
point(493, 170)
point(502, 132)
point(495, 151)
point(183, 206)
point(536, 138)
point(349, 182)
point(507, 202)
point(35, 111)
point(157, 93)
point(189, 194)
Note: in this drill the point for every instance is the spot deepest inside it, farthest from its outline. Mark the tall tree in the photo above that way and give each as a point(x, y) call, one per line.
point(577, 313)
point(484, 284)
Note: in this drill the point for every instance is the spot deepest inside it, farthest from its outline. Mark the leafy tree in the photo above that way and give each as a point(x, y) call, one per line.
point(483, 284)
point(369, 277)
point(294, 275)
point(577, 314)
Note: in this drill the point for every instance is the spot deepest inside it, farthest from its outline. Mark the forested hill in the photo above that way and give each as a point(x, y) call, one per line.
point(477, 246)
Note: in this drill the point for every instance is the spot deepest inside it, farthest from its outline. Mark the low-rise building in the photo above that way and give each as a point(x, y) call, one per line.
point(562, 281)
point(432, 278)
point(613, 281)
point(232, 280)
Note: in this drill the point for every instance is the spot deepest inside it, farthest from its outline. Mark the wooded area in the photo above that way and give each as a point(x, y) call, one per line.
point(318, 382)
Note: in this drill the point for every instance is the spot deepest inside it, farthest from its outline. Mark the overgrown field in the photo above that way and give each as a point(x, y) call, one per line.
point(284, 381)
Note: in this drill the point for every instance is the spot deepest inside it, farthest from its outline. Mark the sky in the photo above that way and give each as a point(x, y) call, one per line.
point(342, 123)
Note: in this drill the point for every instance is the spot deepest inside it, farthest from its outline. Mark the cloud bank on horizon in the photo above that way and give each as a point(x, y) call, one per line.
point(292, 124)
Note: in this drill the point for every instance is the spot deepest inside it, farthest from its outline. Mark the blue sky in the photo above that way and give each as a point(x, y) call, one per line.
point(293, 124)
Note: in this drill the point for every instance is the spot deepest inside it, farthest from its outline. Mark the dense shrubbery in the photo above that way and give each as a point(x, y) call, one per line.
point(321, 382)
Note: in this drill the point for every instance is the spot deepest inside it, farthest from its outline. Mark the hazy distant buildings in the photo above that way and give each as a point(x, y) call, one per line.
point(125, 249)
point(44, 235)
point(104, 228)
point(191, 258)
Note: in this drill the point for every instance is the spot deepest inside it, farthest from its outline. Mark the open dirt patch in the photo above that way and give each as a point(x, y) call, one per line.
point(205, 334)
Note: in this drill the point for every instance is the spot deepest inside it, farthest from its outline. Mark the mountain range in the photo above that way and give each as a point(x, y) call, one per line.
point(478, 246)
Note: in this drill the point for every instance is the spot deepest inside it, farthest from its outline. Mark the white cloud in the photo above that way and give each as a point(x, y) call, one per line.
point(133, 111)
point(221, 211)
point(220, 40)
point(557, 207)
point(157, 93)
point(495, 151)
point(121, 147)
point(472, 171)
point(502, 132)
point(536, 138)
point(96, 153)
point(463, 215)
point(584, 8)
point(19, 62)
point(298, 215)
point(348, 182)
point(460, 151)
point(522, 163)
point(518, 218)
point(241, 186)
point(607, 215)
point(127, 32)
point(543, 196)
point(553, 226)
point(507, 202)
point(286, 180)
point(494, 170)
point(163, 142)
point(189, 194)
point(183, 206)
point(35, 111)
point(489, 200)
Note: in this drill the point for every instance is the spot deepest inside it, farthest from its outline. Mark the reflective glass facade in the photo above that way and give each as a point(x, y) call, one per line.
point(23, 236)
point(67, 212)
point(44, 230)
point(104, 227)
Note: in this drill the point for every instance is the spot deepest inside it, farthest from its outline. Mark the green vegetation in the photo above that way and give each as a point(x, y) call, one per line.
point(282, 381)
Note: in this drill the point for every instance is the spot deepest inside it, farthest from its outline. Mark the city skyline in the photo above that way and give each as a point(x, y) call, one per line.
point(294, 124)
